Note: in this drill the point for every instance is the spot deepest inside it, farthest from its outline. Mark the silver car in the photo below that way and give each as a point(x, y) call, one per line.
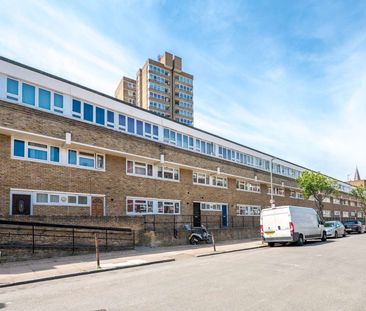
point(334, 229)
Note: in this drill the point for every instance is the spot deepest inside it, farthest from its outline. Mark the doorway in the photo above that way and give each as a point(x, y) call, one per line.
point(224, 216)
point(97, 207)
point(21, 204)
point(196, 214)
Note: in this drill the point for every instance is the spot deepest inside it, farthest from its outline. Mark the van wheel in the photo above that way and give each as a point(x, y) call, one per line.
point(324, 237)
point(270, 244)
point(300, 241)
point(336, 235)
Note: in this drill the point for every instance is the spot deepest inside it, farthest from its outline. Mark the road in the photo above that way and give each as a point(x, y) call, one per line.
point(317, 276)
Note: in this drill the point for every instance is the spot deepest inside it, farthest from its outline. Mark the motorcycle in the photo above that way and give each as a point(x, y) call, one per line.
point(198, 234)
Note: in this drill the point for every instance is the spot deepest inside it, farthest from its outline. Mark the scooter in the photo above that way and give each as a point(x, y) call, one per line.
point(198, 234)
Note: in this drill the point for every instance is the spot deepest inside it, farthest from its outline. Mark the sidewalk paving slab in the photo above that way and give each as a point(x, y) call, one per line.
point(17, 273)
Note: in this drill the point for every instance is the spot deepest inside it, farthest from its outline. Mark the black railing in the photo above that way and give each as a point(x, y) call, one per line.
point(174, 223)
point(72, 238)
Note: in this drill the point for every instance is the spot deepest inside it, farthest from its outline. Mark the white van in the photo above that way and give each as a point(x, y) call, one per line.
point(285, 224)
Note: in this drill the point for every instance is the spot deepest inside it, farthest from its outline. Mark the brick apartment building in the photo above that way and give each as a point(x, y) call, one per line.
point(66, 150)
point(162, 87)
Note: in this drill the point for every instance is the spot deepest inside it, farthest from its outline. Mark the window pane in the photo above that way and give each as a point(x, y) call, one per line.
point(88, 162)
point(88, 112)
point(19, 148)
point(99, 113)
point(55, 154)
point(42, 198)
point(37, 154)
point(28, 94)
point(100, 161)
point(110, 116)
point(139, 127)
point(71, 199)
point(12, 86)
point(58, 101)
point(130, 167)
point(155, 131)
point(122, 120)
point(54, 198)
point(76, 106)
point(44, 100)
point(72, 157)
point(131, 125)
point(147, 129)
point(179, 140)
point(82, 200)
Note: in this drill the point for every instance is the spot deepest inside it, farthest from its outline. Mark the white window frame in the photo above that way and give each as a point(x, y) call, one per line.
point(277, 191)
point(156, 204)
point(248, 210)
point(95, 168)
point(163, 168)
point(210, 180)
point(136, 163)
point(247, 186)
point(211, 206)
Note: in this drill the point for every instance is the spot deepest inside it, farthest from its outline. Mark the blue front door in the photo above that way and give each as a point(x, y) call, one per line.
point(224, 216)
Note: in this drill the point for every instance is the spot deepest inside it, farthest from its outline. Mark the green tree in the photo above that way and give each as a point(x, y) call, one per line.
point(318, 186)
point(360, 193)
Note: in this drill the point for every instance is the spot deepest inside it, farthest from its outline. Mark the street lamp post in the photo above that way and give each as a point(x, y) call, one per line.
point(271, 176)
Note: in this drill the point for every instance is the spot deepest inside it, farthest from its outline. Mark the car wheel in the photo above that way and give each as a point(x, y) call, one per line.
point(336, 235)
point(324, 236)
point(300, 241)
point(270, 244)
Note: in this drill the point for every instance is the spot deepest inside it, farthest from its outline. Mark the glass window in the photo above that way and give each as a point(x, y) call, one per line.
point(166, 135)
point(37, 151)
point(139, 128)
point(42, 198)
point(122, 122)
point(19, 146)
point(100, 161)
point(156, 131)
point(54, 198)
point(99, 116)
point(88, 112)
point(110, 118)
point(130, 167)
point(185, 141)
point(29, 94)
point(76, 108)
point(131, 125)
point(58, 102)
point(55, 154)
point(72, 157)
point(147, 129)
point(12, 88)
point(44, 99)
point(82, 200)
point(86, 159)
point(179, 140)
point(71, 199)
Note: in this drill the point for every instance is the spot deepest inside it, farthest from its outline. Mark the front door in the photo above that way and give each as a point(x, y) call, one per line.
point(97, 207)
point(21, 204)
point(196, 214)
point(224, 216)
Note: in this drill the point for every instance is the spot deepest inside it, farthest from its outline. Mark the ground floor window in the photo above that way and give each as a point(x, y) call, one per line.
point(143, 206)
point(205, 206)
point(248, 210)
point(327, 213)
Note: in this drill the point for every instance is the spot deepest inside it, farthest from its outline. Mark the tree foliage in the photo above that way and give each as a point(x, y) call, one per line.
point(318, 186)
point(360, 193)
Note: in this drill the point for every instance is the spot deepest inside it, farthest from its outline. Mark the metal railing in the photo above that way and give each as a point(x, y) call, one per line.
point(73, 238)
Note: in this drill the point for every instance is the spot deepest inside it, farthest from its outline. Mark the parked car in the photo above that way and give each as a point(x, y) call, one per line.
point(334, 229)
point(295, 224)
point(354, 226)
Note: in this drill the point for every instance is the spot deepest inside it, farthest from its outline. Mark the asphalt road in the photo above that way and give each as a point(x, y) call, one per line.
point(318, 276)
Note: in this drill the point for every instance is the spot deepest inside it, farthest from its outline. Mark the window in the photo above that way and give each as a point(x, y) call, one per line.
point(99, 116)
point(110, 119)
point(327, 213)
point(248, 210)
point(86, 159)
point(19, 148)
point(58, 103)
point(100, 161)
point(76, 108)
point(54, 198)
point(155, 132)
point(55, 154)
point(88, 112)
point(28, 94)
point(139, 168)
point(165, 172)
point(337, 213)
point(148, 130)
point(131, 125)
point(214, 207)
point(42, 198)
point(121, 122)
point(277, 191)
point(139, 128)
point(44, 99)
point(345, 214)
point(82, 200)
point(71, 199)
point(247, 186)
point(296, 195)
point(37, 151)
point(142, 206)
point(12, 89)
point(218, 181)
point(72, 157)
point(201, 178)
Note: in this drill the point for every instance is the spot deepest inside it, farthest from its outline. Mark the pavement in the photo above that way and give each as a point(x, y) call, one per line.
point(18, 273)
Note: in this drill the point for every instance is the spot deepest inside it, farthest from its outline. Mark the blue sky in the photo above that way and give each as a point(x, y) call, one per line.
point(284, 77)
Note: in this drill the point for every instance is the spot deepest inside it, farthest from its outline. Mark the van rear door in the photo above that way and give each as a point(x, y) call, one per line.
point(276, 223)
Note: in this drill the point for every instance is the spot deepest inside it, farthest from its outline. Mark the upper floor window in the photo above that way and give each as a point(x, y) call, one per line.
point(35, 151)
point(86, 159)
point(165, 172)
point(12, 89)
point(277, 191)
point(248, 210)
point(205, 179)
point(139, 168)
point(248, 186)
point(296, 195)
point(29, 94)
